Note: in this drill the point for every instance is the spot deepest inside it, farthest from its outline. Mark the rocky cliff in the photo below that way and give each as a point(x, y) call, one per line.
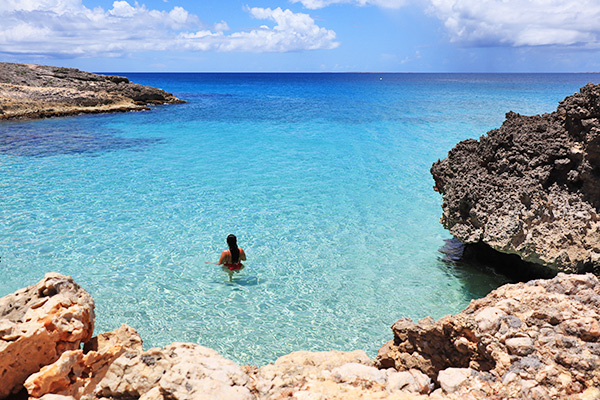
point(530, 187)
point(37, 91)
point(536, 340)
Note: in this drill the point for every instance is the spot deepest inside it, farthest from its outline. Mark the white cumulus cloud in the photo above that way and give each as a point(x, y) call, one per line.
point(315, 4)
point(574, 23)
point(521, 22)
point(292, 32)
point(67, 28)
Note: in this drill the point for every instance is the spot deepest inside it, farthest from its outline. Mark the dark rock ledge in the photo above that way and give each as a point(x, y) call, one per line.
point(530, 188)
point(36, 91)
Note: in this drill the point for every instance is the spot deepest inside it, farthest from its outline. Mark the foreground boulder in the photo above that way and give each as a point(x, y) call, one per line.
point(179, 371)
point(38, 324)
point(39, 91)
point(334, 375)
point(528, 340)
point(76, 374)
point(531, 187)
point(120, 369)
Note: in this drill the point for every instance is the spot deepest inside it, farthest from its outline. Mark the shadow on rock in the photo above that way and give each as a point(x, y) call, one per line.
point(481, 259)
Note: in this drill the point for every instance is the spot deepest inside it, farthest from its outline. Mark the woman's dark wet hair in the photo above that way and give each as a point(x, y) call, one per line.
point(233, 249)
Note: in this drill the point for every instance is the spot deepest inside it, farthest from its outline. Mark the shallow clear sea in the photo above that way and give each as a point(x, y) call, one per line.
point(324, 178)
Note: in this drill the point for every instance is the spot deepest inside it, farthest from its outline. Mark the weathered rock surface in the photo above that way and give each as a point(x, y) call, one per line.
point(528, 340)
point(179, 371)
point(531, 187)
point(334, 375)
point(537, 340)
point(77, 374)
point(38, 324)
point(38, 91)
point(118, 368)
point(189, 371)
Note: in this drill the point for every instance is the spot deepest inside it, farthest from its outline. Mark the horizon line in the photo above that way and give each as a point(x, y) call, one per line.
point(338, 72)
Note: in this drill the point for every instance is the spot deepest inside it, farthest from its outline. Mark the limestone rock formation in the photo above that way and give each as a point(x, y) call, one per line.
point(38, 324)
point(118, 368)
point(537, 340)
point(189, 371)
point(334, 375)
point(528, 340)
point(179, 371)
point(77, 374)
point(38, 91)
point(531, 187)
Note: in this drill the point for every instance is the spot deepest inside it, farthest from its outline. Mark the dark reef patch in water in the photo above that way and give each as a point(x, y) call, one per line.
point(33, 140)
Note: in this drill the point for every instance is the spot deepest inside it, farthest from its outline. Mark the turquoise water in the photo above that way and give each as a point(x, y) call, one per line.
point(324, 178)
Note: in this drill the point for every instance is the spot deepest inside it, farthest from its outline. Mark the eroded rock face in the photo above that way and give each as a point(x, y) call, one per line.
point(38, 324)
point(529, 340)
point(531, 187)
point(76, 373)
point(39, 91)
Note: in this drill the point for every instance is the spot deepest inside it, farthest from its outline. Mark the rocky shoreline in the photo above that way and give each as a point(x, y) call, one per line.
point(30, 91)
point(537, 340)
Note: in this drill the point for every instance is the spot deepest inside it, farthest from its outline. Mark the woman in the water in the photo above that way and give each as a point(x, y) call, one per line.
point(232, 258)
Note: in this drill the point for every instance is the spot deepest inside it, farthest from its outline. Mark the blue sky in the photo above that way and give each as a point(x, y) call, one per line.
point(304, 35)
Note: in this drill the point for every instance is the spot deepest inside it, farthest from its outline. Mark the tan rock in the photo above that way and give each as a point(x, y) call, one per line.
point(413, 381)
point(520, 346)
point(334, 375)
point(355, 372)
point(30, 91)
point(39, 323)
point(124, 336)
point(77, 374)
point(179, 371)
point(488, 319)
point(56, 397)
point(451, 378)
point(592, 393)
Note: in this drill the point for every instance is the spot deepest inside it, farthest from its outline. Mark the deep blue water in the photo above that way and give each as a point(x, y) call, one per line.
point(324, 178)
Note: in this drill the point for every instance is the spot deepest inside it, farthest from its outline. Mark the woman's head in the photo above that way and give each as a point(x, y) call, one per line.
point(231, 240)
point(233, 248)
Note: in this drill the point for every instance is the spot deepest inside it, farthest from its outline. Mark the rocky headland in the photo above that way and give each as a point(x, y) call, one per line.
point(536, 340)
point(530, 188)
point(30, 91)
